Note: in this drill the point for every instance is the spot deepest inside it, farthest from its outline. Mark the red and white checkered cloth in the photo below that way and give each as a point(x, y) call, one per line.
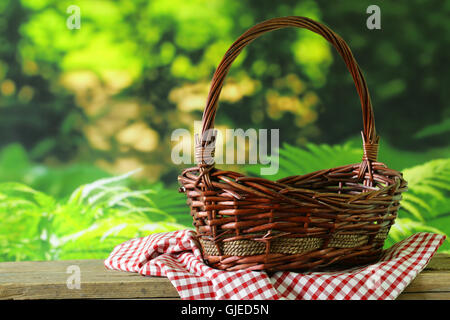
point(176, 255)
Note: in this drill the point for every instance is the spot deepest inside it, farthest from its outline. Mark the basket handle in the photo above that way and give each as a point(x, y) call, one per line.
point(370, 138)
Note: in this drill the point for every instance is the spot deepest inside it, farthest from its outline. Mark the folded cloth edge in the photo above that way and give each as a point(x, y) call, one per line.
point(160, 254)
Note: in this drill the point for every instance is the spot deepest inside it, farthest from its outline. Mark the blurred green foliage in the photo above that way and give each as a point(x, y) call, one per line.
point(130, 70)
point(88, 104)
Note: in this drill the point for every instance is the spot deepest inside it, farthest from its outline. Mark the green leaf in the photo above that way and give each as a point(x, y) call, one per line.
point(428, 189)
point(405, 227)
point(434, 129)
point(294, 161)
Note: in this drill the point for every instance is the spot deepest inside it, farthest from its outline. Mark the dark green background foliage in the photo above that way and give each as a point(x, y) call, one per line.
point(82, 110)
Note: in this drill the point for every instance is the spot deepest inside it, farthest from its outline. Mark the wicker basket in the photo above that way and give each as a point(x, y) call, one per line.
point(332, 218)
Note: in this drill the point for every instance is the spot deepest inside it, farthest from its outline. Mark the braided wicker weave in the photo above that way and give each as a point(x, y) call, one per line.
point(329, 218)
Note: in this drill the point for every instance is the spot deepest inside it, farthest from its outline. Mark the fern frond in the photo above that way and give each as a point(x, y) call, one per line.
point(428, 189)
point(294, 160)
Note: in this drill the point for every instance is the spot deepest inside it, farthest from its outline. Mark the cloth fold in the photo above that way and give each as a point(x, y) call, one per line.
point(177, 256)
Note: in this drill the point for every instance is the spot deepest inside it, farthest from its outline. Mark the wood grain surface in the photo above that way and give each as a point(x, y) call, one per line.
point(48, 280)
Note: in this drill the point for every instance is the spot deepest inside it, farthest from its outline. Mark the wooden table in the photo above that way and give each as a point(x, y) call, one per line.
point(48, 280)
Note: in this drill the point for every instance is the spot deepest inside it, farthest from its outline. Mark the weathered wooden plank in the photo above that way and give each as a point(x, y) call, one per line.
point(440, 262)
point(430, 281)
point(48, 280)
point(424, 296)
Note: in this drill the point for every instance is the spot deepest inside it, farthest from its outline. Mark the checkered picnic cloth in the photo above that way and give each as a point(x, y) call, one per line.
point(176, 255)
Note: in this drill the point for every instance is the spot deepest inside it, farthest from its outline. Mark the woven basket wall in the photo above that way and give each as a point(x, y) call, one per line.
point(331, 218)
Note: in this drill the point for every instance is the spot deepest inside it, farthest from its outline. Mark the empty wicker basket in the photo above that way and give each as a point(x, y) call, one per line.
point(329, 218)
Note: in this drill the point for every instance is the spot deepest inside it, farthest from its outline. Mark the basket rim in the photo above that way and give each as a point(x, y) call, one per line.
point(368, 190)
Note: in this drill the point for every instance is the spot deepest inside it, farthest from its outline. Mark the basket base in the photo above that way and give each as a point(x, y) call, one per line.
point(294, 254)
